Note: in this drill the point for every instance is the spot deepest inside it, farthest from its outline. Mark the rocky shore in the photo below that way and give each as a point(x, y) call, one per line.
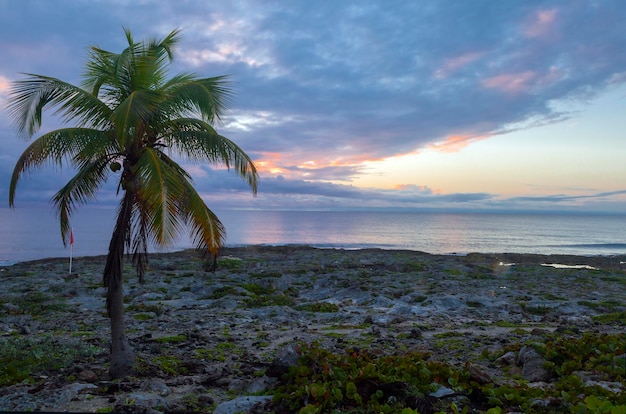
point(213, 342)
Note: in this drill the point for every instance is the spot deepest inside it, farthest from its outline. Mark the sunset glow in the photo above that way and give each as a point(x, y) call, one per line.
point(380, 106)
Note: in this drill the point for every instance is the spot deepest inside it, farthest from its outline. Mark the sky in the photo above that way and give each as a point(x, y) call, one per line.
point(430, 105)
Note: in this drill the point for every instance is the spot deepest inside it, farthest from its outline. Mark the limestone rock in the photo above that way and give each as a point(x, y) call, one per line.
point(532, 365)
point(242, 405)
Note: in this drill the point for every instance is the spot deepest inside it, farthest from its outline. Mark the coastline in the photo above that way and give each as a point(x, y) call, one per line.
point(263, 299)
point(598, 258)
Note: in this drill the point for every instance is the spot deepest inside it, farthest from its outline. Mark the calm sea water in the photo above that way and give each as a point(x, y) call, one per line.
point(28, 234)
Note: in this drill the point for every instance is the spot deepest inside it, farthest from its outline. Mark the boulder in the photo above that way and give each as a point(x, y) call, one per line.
point(242, 405)
point(532, 365)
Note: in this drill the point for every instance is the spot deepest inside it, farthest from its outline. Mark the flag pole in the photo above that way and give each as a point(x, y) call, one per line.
point(71, 248)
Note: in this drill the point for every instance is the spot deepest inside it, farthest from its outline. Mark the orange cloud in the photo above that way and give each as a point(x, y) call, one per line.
point(511, 82)
point(4, 84)
point(268, 162)
point(454, 143)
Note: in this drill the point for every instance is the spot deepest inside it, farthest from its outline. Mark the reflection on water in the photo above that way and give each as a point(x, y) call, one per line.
point(34, 233)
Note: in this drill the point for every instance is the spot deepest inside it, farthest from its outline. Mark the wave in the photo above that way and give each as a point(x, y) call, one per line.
point(618, 246)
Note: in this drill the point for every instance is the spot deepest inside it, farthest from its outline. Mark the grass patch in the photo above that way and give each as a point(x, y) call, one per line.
point(219, 353)
point(222, 291)
point(36, 304)
point(618, 318)
point(169, 364)
point(257, 289)
point(230, 263)
point(550, 296)
point(143, 308)
point(319, 307)
point(22, 358)
point(269, 300)
point(266, 274)
point(174, 339)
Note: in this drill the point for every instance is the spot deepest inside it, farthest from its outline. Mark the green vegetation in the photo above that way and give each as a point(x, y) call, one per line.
point(146, 308)
point(219, 352)
point(34, 303)
point(142, 316)
point(256, 301)
point(265, 274)
point(358, 381)
point(175, 339)
point(22, 358)
point(160, 365)
point(319, 307)
point(222, 291)
point(614, 318)
point(230, 263)
point(257, 289)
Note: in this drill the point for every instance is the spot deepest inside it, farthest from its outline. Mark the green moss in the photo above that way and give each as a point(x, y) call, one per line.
point(269, 300)
point(219, 353)
point(222, 291)
point(550, 296)
point(169, 364)
point(618, 318)
point(22, 358)
point(142, 316)
point(144, 308)
point(37, 304)
point(265, 274)
point(171, 339)
point(257, 289)
point(231, 263)
point(319, 307)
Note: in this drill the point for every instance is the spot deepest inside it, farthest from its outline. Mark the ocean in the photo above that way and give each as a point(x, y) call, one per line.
point(33, 233)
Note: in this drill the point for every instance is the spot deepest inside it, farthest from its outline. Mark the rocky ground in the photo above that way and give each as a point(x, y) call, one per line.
point(204, 340)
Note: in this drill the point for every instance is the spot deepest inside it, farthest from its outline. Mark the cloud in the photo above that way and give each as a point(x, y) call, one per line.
point(322, 87)
point(560, 198)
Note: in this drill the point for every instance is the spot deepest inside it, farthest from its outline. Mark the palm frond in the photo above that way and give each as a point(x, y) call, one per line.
point(207, 97)
point(80, 189)
point(133, 114)
point(197, 140)
point(30, 96)
point(161, 190)
point(207, 231)
point(53, 148)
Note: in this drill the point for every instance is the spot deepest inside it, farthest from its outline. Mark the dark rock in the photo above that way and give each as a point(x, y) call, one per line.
point(532, 365)
point(479, 375)
point(156, 386)
point(87, 376)
point(286, 357)
point(506, 359)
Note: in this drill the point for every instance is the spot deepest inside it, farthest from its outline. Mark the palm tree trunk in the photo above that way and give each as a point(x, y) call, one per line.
point(122, 357)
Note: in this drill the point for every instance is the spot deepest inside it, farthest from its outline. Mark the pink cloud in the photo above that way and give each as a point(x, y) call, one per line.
point(541, 23)
point(422, 189)
point(511, 82)
point(454, 64)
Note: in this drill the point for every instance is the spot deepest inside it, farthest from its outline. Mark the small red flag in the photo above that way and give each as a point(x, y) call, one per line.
point(71, 237)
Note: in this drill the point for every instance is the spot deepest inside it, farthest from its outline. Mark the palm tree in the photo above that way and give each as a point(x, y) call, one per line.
point(130, 118)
